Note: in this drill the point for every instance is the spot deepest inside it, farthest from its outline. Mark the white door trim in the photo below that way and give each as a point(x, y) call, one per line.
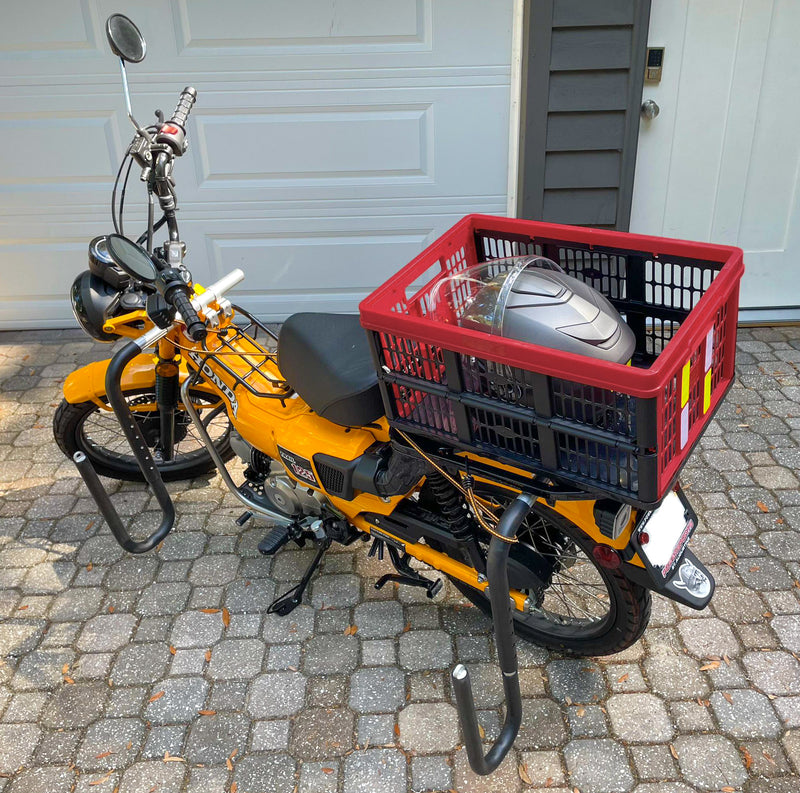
point(515, 107)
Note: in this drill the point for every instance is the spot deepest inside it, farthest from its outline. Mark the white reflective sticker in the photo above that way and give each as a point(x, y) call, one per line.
point(684, 425)
point(709, 349)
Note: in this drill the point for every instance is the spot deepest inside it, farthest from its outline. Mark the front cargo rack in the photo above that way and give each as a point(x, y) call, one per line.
point(247, 353)
point(607, 428)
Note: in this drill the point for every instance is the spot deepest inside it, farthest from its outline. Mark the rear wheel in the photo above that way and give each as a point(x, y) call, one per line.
point(586, 609)
point(88, 428)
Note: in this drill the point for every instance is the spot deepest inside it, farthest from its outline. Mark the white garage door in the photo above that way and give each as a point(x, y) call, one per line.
point(331, 140)
point(721, 162)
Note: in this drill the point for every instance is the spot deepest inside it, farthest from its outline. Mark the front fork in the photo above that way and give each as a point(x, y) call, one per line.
point(167, 387)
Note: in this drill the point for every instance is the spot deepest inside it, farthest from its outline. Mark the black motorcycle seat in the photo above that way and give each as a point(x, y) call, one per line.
point(325, 358)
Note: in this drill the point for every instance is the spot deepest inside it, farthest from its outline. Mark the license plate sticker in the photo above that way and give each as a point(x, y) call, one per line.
point(667, 530)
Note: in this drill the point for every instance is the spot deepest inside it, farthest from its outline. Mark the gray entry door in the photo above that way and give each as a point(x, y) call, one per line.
point(331, 140)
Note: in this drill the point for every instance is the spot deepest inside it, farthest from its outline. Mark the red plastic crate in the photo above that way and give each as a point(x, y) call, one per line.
point(605, 427)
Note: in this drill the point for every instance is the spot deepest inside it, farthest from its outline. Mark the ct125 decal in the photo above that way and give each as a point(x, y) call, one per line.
point(298, 467)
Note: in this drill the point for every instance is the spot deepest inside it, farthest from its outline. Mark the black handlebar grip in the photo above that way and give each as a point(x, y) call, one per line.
point(195, 327)
point(188, 96)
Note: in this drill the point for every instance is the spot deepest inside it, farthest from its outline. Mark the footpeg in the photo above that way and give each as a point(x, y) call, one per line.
point(274, 540)
point(432, 587)
point(406, 574)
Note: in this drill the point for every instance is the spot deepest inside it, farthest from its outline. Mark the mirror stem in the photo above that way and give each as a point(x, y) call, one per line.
point(149, 220)
point(143, 132)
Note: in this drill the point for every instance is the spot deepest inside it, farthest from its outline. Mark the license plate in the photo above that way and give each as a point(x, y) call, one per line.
point(667, 530)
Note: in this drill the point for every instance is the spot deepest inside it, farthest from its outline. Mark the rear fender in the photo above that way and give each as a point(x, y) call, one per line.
point(88, 384)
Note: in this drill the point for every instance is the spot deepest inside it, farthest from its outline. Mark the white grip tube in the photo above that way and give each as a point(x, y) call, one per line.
point(218, 289)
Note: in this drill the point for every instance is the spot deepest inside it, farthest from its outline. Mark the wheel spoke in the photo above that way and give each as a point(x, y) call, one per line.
point(102, 434)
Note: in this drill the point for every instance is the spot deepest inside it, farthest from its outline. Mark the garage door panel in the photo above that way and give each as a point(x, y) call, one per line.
point(65, 152)
point(202, 38)
point(321, 143)
point(39, 271)
point(429, 142)
point(357, 259)
point(267, 146)
point(291, 264)
point(323, 24)
point(49, 31)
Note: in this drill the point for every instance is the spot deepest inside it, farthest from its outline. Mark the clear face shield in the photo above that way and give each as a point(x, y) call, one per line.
point(477, 297)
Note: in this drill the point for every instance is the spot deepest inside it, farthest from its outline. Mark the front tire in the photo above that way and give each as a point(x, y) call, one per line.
point(585, 630)
point(87, 428)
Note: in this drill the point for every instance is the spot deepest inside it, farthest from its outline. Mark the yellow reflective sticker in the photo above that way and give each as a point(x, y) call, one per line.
point(687, 370)
point(707, 392)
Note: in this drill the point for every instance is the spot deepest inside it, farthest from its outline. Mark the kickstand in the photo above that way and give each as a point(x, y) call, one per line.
point(290, 600)
point(406, 574)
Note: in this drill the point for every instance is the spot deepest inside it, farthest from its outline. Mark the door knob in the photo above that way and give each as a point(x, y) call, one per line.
point(649, 109)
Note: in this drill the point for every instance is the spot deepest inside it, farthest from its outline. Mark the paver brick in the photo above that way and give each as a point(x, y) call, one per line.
point(17, 745)
point(429, 727)
point(598, 766)
point(639, 718)
point(318, 733)
point(377, 690)
point(425, 650)
point(331, 654)
point(106, 632)
point(236, 659)
point(176, 700)
point(196, 629)
point(265, 774)
point(212, 739)
point(373, 770)
point(745, 714)
point(111, 743)
point(710, 761)
point(276, 694)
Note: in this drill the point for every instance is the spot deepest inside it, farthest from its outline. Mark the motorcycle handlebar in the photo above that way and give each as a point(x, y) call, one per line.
point(187, 99)
point(195, 327)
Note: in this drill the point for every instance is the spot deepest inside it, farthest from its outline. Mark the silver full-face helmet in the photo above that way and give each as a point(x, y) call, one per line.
point(531, 299)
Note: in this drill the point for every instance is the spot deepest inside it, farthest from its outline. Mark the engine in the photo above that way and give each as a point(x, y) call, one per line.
point(267, 481)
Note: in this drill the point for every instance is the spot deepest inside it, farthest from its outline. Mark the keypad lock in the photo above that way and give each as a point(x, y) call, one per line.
point(655, 63)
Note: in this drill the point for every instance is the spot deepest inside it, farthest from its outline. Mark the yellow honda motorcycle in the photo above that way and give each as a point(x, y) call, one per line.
point(439, 452)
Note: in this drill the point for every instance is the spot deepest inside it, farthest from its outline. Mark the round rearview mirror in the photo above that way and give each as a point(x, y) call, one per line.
point(125, 39)
point(132, 258)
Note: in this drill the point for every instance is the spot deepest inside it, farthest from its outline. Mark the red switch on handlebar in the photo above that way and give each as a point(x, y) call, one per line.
point(170, 129)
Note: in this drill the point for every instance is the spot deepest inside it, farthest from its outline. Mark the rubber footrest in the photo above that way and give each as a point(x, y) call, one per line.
point(274, 540)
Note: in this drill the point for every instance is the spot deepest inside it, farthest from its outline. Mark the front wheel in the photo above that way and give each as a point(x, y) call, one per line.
point(586, 609)
point(88, 428)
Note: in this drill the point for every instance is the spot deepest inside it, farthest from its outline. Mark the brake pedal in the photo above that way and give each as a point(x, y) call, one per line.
point(274, 540)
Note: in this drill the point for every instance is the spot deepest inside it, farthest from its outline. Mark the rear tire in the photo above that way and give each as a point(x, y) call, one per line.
point(72, 424)
point(628, 603)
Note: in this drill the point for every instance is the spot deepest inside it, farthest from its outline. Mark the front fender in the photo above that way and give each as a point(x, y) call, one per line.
point(88, 384)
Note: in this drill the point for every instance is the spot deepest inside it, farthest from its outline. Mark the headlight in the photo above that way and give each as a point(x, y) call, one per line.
point(91, 298)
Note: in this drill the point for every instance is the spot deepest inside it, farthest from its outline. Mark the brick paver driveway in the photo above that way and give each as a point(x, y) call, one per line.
point(163, 673)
